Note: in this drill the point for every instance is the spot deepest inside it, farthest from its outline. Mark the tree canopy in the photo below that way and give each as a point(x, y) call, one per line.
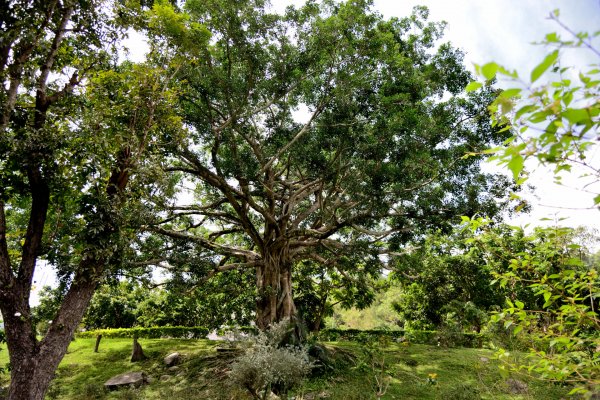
point(326, 135)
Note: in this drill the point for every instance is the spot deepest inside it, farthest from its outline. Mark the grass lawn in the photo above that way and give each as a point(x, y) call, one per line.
point(460, 373)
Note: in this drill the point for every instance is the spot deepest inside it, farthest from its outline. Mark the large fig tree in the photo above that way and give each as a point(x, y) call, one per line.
point(327, 135)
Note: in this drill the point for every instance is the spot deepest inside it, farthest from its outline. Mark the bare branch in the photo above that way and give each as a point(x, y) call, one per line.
point(218, 248)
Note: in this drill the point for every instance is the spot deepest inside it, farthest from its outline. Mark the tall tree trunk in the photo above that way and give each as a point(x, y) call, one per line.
point(275, 300)
point(34, 363)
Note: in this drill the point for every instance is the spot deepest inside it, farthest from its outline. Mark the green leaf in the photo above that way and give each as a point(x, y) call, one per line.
point(472, 86)
point(552, 37)
point(517, 330)
point(539, 116)
point(574, 261)
point(515, 165)
point(513, 74)
point(489, 70)
point(547, 296)
point(520, 207)
point(524, 110)
point(544, 65)
point(576, 115)
point(576, 390)
point(514, 196)
point(519, 304)
point(509, 93)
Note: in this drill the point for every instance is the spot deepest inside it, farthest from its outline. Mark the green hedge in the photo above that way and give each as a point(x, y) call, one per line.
point(250, 330)
point(466, 339)
point(357, 335)
point(156, 332)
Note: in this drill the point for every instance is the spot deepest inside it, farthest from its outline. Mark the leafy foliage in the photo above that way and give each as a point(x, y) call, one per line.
point(564, 116)
point(555, 122)
point(268, 366)
point(124, 304)
point(464, 339)
point(154, 332)
point(377, 161)
point(378, 315)
point(373, 360)
point(446, 274)
point(563, 323)
point(224, 299)
point(114, 306)
point(79, 146)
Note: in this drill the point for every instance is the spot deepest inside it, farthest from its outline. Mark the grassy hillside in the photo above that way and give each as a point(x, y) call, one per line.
point(379, 315)
point(418, 372)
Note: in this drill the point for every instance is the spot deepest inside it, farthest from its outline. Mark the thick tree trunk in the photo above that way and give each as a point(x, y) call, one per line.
point(275, 301)
point(34, 363)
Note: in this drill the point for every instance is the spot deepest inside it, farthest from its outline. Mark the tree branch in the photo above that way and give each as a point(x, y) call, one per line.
point(40, 198)
point(59, 34)
point(218, 248)
point(6, 275)
point(298, 135)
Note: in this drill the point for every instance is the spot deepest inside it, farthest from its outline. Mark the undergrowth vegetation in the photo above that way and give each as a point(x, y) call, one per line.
point(404, 370)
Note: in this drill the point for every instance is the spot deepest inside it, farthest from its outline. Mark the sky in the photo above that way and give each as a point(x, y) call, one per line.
point(504, 31)
point(490, 30)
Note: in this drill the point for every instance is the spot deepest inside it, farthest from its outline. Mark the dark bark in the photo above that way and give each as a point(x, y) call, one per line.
point(98, 339)
point(275, 299)
point(33, 363)
point(315, 325)
point(275, 302)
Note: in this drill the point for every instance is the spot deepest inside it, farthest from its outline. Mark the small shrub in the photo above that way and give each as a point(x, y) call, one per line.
point(465, 339)
point(266, 366)
point(450, 335)
point(54, 391)
point(129, 394)
point(373, 362)
point(92, 391)
point(466, 315)
point(504, 338)
point(423, 337)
